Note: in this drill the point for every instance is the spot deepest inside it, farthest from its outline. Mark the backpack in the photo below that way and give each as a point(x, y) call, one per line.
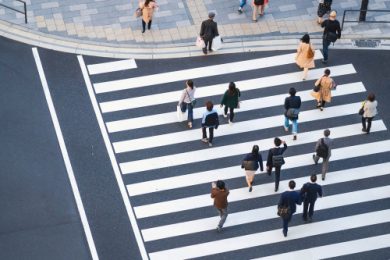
point(322, 150)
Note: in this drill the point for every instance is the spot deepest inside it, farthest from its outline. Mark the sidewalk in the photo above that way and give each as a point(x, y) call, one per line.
point(110, 26)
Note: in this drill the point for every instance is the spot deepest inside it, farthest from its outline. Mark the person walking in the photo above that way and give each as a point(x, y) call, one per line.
point(292, 104)
point(258, 9)
point(210, 121)
point(325, 85)
point(186, 101)
point(305, 55)
point(219, 192)
point(242, 4)
point(250, 164)
point(332, 32)
point(324, 7)
point(323, 150)
point(208, 30)
point(231, 101)
point(310, 191)
point(289, 199)
point(275, 159)
point(147, 7)
point(370, 111)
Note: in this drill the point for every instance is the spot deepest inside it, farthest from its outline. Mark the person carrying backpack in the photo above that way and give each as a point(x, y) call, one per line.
point(210, 121)
point(323, 150)
point(275, 159)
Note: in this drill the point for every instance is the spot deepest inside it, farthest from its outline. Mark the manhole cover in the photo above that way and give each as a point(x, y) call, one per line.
point(367, 43)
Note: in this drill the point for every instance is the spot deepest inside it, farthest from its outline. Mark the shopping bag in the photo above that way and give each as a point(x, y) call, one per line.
point(217, 43)
point(200, 42)
point(180, 115)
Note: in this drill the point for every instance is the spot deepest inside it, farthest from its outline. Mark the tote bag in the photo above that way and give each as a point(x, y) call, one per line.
point(217, 43)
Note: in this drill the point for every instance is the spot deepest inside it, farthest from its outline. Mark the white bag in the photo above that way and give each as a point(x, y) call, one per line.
point(180, 115)
point(217, 43)
point(200, 42)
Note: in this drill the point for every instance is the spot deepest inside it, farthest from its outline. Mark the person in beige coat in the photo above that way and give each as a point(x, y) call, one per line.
point(370, 112)
point(324, 95)
point(148, 7)
point(305, 55)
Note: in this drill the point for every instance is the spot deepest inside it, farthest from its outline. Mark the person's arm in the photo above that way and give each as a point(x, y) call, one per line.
point(318, 82)
point(269, 159)
point(338, 30)
point(223, 101)
point(284, 147)
point(286, 103)
point(214, 192)
point(317, 144)
point(319, 191)
point(261, 162)
point(202, 28)
point(216, 120)
point(204, 118)
point(299, 102)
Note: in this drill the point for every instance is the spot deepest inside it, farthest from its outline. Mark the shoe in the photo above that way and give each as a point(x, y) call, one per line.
point(314, 159)
point(230, 122)
point(310, 219)
point(255, 21)
point(210, 50)
point(219, 229)
point(204, 50)
point(210, 144)
point(189, 124)
point(304, 219)
point(225, 115)
point(364, 130)
point(143, 31)
point(285, 129)
point(205, 140)
point(323, 178)
point(276, 189)
point(303, 78)
point(321, 108)
point(250, 189)
point(240, 11)
point(285, 233)
point(324, 61)
point(295, 138)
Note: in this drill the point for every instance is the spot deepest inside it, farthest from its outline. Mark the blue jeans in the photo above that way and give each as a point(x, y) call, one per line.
point(242, 3)
point(325, 48)
point(294, 123)
point(285, 223)
point(184, 107)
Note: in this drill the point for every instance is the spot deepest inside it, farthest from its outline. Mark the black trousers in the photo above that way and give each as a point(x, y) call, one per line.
point(277, 176)
point(144, 24)
point(231, 112)
point(208, 43)
point(308, 205)
point(211, 133)
point(369, 120)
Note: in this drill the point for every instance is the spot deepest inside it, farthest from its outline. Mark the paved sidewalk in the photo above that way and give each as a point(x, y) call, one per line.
point(111, 23)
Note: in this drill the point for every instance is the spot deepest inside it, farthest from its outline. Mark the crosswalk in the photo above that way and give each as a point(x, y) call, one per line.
point(164, 171)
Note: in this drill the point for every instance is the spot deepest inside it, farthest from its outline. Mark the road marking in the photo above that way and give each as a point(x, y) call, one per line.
point(65, 155)
point(273, 236)
point(193, 73)
point(260, 214)
point(111, 66)
point(237, 149)
point(199, 201)
point(114, 163)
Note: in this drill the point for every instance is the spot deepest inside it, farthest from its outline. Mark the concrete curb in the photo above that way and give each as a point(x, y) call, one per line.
point(161, 51)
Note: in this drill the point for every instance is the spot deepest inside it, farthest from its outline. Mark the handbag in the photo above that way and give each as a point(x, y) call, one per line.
point(334, 84)
point(200, 42)
point(180, 115)
point(310, 53)
point(138, 12)
point(361, 110)
point(217, 43)
point(249, 165)
point(292, 113)
point(193, 101)
point(284, 211)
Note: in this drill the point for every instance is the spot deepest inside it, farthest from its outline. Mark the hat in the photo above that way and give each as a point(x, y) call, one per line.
point(211, 15)
point(333, 14)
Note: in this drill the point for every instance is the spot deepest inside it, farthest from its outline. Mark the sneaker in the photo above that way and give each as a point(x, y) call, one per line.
point(295, 138)
point(210, 144)
point(219, 229)
point(225, 115)
point(314, 159)
point(230, 122)
point(276, 189)
point(205, 140)
point(285, 233)
point(321, 108)
point(204, 50)
point(285, 129)
point(364, 130)
point(189, 124)
point(250, 189)
point(240, 11)
point(323, 178)
point(324, 61)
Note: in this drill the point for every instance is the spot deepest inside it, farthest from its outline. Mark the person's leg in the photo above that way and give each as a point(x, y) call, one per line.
point(325, 166)
point(305, 207)
point(190, 114)
point(295, 127)
point(210, 44)
point(325, 49)
point(204, 134)
point(364, 129)
point(305, 71)
point(223, 217)
point(311, 210)
point(231, 116)
point(286, 123)
point(369, 120)
point(149, 24)
point(206, 43)
point(254, 13)
point(262, 9)
point(315, 158)
point(211, 133)
point(143, 25)
point(277, 178)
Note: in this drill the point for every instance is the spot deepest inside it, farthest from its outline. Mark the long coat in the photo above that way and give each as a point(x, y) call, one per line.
point(325, 93)
point(301, 58)
point(147, 11)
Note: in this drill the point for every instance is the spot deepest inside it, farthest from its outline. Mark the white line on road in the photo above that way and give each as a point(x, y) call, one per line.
point(111, 66)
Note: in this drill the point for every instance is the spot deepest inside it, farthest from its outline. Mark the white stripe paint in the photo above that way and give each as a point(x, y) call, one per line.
point(239, 127)
point(336, 250)
point(112, 66)
point(273, 236)
point(194, 73)
point(135, 229)
point(255, 215)
point(237, 149)
point(197, 178)
point(204, 200)
point(65, 155)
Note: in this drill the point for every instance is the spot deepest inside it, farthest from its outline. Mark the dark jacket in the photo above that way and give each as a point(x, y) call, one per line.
point(290, 198)
point(258, 159)
point(310, 190)
point(331, 26)
point(231, 100)
point(208, 29)
point(275, 151)
point(211, 120)
point(220, 197)
point(292, 102)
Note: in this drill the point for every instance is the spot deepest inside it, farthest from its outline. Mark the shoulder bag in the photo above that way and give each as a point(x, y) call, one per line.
point(361, 110)
point(193, 101)
point(284, 211)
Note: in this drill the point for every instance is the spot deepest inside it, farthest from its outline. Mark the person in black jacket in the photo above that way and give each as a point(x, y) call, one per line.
point(332, 32)
point(209, 120)
point(309, 192)
point(292, 104)
point(208, 30)
point(289, 199)
point(275, 151)
point(251, 163)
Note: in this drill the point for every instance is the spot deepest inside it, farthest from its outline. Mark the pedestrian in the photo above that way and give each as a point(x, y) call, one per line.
point(208, 30)
point(186, 101)
point(370, 111)
point(230, 100)
point(332, 32)
point(305, 55)
point(250, 164)
point(219, 192)
point(324, 7)
point(275, 159)
point(210, 121)
point(242, 4)
point(292, 104)
point(323, 89)
point(147, 7)
point(323, 150)
point(258, 8)
point(310, 191)
point(289, 199)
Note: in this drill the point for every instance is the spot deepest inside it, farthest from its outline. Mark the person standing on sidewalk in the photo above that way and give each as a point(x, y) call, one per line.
point(219, 192)
point(332, 32)
point(289, 199)
point(230, 100)
point(305, 55)
point(292, 104)
point(324, 93)
point(324, 7)
point(208, 30)
point(147, 7)
point(370, 112)
point(275, 159)
point(210, 121)
point(309, 192)
point(186, 100)
point(323, 150)
point(258, 8)
point(250, 164)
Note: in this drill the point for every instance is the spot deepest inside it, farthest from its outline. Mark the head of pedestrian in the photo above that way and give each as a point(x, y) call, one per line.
point(255, 150)
point(277, 141)
point(305, 38)
point(292, 92)
point(332, 15)
point(313, 178)
point(220, 185)
point(190, 83)
point(211, 15)
point(326, 132)
point(209, 105)
point(291, 185)
point(327, 72)
point(371, 97)
point(232, 88)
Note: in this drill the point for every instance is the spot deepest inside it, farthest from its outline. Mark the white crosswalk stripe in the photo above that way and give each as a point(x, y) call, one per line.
point(167, 171)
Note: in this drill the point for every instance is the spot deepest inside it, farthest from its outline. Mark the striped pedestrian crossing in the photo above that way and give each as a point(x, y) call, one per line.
point(167, 172)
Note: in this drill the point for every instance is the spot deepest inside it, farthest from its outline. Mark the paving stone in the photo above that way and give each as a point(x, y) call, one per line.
point(78, 7)
point(49, 5)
